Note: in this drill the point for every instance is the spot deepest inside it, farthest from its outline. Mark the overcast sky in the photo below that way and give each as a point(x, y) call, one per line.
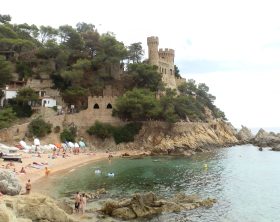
point(232, 46)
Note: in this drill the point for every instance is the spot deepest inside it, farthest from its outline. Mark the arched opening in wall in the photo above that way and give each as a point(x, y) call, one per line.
point(171, 71)
point(109, 106)
point(96, 106)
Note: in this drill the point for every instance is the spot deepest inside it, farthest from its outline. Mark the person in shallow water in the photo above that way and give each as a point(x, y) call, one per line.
point(77, 202)
point(83, 203)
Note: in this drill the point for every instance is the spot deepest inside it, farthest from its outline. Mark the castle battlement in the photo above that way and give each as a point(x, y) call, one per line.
point(153, 40)
point(167, 51)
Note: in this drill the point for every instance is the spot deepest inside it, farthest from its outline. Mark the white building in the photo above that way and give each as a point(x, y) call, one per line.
point(8, 94)
point(48, 102)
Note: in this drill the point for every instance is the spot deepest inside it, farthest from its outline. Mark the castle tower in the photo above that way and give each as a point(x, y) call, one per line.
point(167, 55)
point(164, 60)
point(153, 50)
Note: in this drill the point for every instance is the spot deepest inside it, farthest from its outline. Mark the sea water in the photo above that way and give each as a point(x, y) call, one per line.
point(244, 180)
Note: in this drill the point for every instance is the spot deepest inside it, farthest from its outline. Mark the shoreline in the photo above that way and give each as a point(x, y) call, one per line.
point(60, 164)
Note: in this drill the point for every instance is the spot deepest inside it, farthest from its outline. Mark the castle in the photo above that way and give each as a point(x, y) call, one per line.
point(164, 60)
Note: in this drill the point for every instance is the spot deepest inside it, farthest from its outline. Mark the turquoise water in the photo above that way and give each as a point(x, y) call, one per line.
point(245, 182)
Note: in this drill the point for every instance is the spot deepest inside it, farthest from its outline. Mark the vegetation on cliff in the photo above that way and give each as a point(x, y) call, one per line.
point(39, 128)
point(81, 62)
point(120, 134)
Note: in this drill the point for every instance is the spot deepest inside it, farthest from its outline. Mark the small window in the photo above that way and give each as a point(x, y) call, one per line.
point(109, 106)
point(96, 106)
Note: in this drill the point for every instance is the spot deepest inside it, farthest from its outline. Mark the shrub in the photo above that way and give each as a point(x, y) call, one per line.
point(68, 134)
point(120, 134)
point(56, 129)
point(39, 128)
point(7, 116)
point(126, 133)
point(101, 130)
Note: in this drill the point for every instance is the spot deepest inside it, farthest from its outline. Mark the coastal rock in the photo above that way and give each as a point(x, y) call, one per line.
point(9, 184)
point(185, 138)
point(124, 213)
point(265, 139)
point(147, 205)
point(245, 135)
point(34, 207)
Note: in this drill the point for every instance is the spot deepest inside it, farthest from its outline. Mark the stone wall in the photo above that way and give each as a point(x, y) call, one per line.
point(99, 109)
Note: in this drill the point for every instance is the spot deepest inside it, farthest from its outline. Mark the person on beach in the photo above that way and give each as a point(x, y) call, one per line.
point(83, 203)
point(77, 202)
point(28, 187)
point(47, 171)
point(22, 170)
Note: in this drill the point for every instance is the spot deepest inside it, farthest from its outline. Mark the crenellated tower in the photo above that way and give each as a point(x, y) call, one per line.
point(164, 60)
point(153, 50)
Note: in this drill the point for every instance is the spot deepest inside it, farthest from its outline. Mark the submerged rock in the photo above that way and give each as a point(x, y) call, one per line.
point(147, 205)
point(9, 184)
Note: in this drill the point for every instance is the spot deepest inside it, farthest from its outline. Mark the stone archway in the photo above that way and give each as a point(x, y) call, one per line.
point(96, 106)
point(109, 106)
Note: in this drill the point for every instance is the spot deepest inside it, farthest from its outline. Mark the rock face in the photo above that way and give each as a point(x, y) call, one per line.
point(265, 139)
point(183, 138)
point(147, 205)
point(9, 184)
point(33, 207)
point(245, 135)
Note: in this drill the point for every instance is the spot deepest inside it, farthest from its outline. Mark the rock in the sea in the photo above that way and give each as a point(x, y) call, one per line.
point(245, 134)
point(9, 184)
point(34, 207)
point(147, 205)
point(265, 139)
point(124, 213)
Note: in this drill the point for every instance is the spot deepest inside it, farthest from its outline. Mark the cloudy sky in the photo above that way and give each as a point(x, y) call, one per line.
point(232, 46)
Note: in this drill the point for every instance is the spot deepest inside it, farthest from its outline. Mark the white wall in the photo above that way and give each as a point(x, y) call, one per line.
point(49, 102)
point(10, 94)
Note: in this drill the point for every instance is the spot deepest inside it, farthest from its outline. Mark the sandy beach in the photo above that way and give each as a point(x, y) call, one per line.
point(57, 164)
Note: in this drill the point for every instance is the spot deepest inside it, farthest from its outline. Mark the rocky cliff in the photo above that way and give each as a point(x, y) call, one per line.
point(183, 137)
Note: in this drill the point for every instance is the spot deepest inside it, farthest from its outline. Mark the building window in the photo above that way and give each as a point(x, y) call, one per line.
point(171, 71)
point(96, 106)
point(109, 106)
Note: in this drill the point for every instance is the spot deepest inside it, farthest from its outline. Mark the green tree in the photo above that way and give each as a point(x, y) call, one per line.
point(70, 37)
point(5, 71)
point(137, 105)
point(47, 33)
point(92, 42)
point(85, 27)
point(135, 52)
point(6, 31)
point(5, 18)
point(26, 96)
point(145, 76)
point(177, 72)
point(75, 96)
